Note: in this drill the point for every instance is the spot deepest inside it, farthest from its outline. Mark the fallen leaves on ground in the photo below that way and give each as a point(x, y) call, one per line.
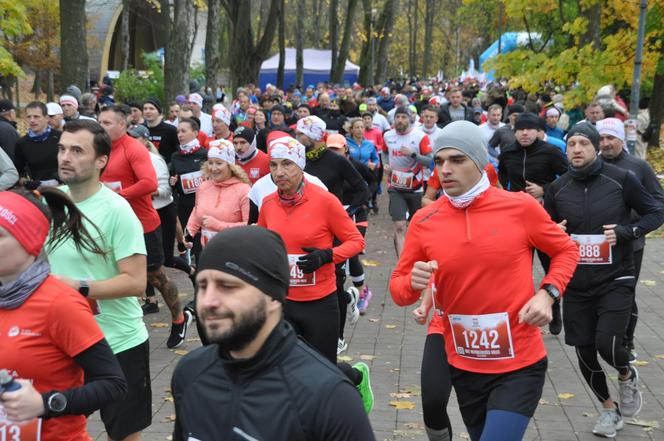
point(464, 435)
point(641, 363)
point(390, 326)
point(180, 352)
point(367, 357)
point(370, 262)
point(589, 414)
point(159, 325)
point(660, 356)
point(412, 390)
point(373, 320)
point(168, 398)
point(170, 418)
point(565, 396)
point(345, 358)
point(543, 402)
point(649, 282)
point(643, 423)
point(402, 405)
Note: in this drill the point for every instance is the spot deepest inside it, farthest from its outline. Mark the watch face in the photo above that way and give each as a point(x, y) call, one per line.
point(57, 402)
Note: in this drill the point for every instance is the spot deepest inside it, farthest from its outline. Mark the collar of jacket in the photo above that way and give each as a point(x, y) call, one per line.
point(591, 170)
point(280, 341)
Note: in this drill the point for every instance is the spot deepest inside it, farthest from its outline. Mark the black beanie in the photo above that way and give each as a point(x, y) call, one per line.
point(155, 102)
point(245, 133)
point(586, 130)
point(515, 108)
point(527, 120)
point(253, 254)
point(404, 110)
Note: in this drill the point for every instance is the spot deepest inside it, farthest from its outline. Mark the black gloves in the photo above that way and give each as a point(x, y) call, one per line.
point(314, 260)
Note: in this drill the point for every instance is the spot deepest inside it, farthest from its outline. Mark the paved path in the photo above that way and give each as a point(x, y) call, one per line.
point(391, 343)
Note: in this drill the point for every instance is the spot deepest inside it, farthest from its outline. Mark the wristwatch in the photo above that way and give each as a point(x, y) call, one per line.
point(552, 291)
point(57, 402)
point(636, 232)
point(84, 288)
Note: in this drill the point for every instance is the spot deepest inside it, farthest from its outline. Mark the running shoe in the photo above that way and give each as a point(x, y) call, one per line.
point(608, 424)
point(353, 313)
point(179, 331)
point(341, 346)
point(631, 352)
point(150, 307)
point(365, 298)
point(556, 324)
point(631, 399)
point(364, 388)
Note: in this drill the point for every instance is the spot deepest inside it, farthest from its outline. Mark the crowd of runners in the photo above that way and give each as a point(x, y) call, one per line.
point(263, 202)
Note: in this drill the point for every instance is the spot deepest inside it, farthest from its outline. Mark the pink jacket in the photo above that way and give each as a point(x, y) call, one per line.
point(226, 204)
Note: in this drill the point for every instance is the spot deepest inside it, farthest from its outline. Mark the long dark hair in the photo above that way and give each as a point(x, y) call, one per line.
point(65, 218)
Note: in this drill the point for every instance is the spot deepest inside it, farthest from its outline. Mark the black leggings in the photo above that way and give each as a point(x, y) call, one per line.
point(613, 353)
point(436, 384)
point(634, 317)
point(315, 321)
point(355, 267)
point(342, 296)
point(168, 217)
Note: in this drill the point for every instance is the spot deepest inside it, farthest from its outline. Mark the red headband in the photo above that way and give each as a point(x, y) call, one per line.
point(23, 220)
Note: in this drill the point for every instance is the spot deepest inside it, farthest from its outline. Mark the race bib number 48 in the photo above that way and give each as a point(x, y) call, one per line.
point(482, 337)
point(593, 249)
point(13, 431)
point(297, 276)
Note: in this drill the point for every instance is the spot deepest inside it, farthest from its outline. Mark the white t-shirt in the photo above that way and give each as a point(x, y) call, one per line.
point(488, 130)
point(380, 122)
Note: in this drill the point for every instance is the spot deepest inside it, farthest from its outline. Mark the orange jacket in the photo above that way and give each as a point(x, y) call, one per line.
point(484, 255)
point(314, 222)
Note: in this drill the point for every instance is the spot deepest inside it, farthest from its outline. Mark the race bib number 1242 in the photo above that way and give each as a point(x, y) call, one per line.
point(482, 337)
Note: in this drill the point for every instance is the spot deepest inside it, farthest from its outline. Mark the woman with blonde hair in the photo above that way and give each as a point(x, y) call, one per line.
point(222, 200)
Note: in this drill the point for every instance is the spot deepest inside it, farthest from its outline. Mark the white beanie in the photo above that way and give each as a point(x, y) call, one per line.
point(68, 99)
point(196, 98)
point(222, 149)
point(222, 115)
point(287, 147)
point(312, 126)
point(611, 126)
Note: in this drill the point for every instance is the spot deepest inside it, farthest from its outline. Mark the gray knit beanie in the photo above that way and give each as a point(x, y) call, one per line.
point(465, 137)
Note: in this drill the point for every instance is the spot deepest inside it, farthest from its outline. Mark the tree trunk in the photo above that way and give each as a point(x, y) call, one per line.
point(178, 49)
point(124, 33)
point(657, 101)
point(338, 69)
point(299, 43)
point(593, 13)
point(364, 77)
point(245, 56)
point(385, 27)
point(429, 16)
point(212, 53)
point(50, 87)
point(73, 45)
point(413, 13)
point(36, 84)
point(334, 33)
point(282, 45)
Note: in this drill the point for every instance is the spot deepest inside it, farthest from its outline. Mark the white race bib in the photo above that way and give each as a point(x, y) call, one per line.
point(400, 179)
point(191, 181)
point(115, 185)
point(593, 249)
point(13, 431)
point(206, 235)
point(297, 276)
point(482, 337)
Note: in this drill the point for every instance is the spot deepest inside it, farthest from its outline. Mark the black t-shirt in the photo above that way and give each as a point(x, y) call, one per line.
point(164, 136)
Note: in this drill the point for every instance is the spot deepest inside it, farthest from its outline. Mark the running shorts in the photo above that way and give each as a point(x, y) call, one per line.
point(134, 412)
point(404, 204)
point(155, 248)
point(517, 391)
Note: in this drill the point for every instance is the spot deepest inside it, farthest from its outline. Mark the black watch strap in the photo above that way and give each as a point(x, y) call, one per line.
point(84, 288)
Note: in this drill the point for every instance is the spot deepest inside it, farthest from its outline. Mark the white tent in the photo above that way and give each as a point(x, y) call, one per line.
point(317, 65)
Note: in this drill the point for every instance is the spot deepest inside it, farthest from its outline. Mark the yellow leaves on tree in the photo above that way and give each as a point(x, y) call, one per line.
point(582, 69)
point(13, 24)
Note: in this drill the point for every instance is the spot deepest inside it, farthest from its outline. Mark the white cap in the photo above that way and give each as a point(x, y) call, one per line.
point(287, 147)
point(312, 126)
point(222, 149)
point(611, 126)
point(53, 109)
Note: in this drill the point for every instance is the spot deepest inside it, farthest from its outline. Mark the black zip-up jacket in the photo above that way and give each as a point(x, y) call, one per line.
point(604, 195)
point(444, 116)
point(286, 392)
point(646, 177)
point(540, 163)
